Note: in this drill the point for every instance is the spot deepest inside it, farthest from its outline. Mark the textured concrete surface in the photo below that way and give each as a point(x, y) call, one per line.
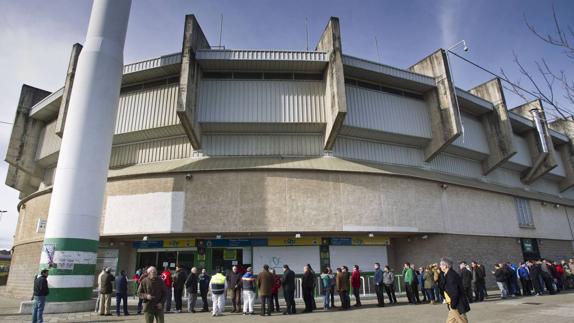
point(556, 309)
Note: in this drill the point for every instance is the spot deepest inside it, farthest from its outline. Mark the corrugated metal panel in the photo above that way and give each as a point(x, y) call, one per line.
point(474, 135)
point(261, 101)
point(388, 70)
point(148, 108)
point(252, 145)
point(153, 63)
point(522, 156)
point(266, 55)
point(151, 151)
point(48, 142)
point(386, 112)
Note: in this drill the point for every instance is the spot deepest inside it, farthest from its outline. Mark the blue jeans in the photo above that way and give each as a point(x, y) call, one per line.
point(327, 298)
point(438, 295)
point(38, 311)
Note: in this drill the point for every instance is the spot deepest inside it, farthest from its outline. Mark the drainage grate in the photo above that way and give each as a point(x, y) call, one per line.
point(531, 303)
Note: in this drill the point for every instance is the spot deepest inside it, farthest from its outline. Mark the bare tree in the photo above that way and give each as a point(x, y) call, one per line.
point(550, 85)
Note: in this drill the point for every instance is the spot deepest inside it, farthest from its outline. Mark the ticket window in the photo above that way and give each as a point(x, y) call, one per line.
point(166, 259)
point(226, 258)
point(185, 259)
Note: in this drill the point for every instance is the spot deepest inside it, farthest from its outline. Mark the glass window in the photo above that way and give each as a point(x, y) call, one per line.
point(524, 213)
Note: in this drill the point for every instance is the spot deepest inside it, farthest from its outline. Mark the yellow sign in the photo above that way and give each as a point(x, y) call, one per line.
point(174, 243)
point(374, 241)
point(230, 254)
point(292, 241)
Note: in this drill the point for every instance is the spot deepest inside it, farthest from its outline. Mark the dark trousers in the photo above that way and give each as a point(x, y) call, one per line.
point(345, 299)
point(478, 292)
point(468, 293)
point(204, 300)
point(357, 294)
point(274, 302)
point(265, 304)
point(526, 286)
point(177, 294)
point(140, 305)
point(121, 298)
point(289, 296)
point(409, 290)
point(424, 292)
point(333, 296)
point(308, 299)
point(416, 292)
point(236, 299)
point(390, 289)
point(379, 289)
point(536, 284)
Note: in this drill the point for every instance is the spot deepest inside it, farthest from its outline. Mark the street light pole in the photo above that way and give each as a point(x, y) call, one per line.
point(449, 50)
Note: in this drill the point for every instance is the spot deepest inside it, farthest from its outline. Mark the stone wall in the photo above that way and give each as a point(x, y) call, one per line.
point(23, 268)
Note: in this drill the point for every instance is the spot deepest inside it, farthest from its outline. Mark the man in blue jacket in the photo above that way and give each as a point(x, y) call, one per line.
point(379, 289)
point(122, 293)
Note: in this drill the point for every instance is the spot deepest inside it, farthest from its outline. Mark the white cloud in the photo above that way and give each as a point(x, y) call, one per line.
point(447, 20)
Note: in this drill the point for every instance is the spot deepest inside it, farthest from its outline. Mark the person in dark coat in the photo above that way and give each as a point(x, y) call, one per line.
point(191, 288)
point(178, 286)
point(122, 293)
point(478, 276)
point(204, 280)
point(235, 284)
point(153, 291)
point(379, 285)
point(106, 291)
point(466, 276)
point(265, 284)
point(534, 273)
point(288, 284)
point(308, 284)
point(41, 290)
point(451, 284)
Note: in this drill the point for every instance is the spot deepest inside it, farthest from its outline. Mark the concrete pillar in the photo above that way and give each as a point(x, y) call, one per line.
point(20, 155)
point(68, 83)
point(496, 125)
point(335, 97)
point(73, 227)
point(442, 103)
point(193, 40)
point(566, 151)
point(539, 142)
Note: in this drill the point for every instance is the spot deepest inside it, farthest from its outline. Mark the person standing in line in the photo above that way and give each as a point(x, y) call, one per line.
point(248, 288)
point(234, 283)
point(218, 286)
point(348, 279)
point(122, 293)
point(140, 300)
point(326, 289)
point(379, 289)
point(477, 281)
point(98, 299)
point(333, 286)
point(275, 292)
point(524, 277)
point(453, 293)
point(308, 284)
point(166, 277)
point(179, 286)
point(437, 276)
point(501, 280)
point(343, 289)
point(466, 276)
point(106, 292)
point(313, 303)
point(153, 291)
point(288, 284)
point(356, 285)
point(265, 284)
point(415, 285)
point(204, 280)
point(421, 282)
point(41, 290)
point(409, 278)
point(389, 284)
point(191, 289)
point(429, 284)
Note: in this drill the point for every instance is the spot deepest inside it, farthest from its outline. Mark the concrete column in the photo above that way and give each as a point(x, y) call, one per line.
point(442, 103)
point(23, 170)
point(496, 125)
point(335, 97)
point(68, 83)
point(566, 151)
point(193, 40)
point(73, 228)
point(539, 143)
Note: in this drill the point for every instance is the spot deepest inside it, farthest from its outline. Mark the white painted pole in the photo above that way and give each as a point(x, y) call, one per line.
point(72, 232)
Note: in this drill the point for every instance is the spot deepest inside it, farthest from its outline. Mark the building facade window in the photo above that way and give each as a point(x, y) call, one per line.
point(524, 213)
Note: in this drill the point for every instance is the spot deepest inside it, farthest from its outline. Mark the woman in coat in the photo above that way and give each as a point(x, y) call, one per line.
point(429, 284)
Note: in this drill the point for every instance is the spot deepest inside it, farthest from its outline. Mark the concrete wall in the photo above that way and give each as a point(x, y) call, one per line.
point(23, 268)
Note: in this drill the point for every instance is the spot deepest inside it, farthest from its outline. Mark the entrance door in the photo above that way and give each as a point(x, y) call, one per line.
point(166, 259)
point(146, 259)
point(530, 249)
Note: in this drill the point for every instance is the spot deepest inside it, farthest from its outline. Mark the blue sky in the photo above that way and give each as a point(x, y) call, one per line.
point(36, 38)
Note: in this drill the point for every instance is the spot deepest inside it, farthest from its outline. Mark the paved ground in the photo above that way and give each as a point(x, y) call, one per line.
point(555, 309)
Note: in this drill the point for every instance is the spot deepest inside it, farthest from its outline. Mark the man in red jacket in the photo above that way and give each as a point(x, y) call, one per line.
point(356, 285)
point(166, 277)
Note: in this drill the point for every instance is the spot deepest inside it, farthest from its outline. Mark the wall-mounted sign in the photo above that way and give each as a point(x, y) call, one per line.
point(148, 244)
point(361, 241)
point(292, 241)
point(229, 254)
point(178, 243)
point(234, 243)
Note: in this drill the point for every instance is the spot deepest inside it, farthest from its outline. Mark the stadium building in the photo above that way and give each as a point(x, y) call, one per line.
point(247, 157)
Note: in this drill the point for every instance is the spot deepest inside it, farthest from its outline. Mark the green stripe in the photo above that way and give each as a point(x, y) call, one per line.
point(72, 244)
point(79, 269)
point(69, 294)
